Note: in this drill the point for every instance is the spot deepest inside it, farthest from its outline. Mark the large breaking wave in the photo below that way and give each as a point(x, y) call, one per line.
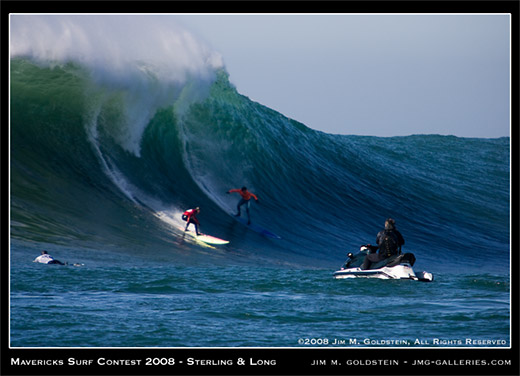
point(112, 138)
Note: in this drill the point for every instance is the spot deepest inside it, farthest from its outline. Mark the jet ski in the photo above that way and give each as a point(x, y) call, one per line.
point(395, 267)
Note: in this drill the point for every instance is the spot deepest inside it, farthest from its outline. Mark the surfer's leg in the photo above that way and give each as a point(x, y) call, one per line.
point(247, 211)
point(240, 203)
point(194, 224)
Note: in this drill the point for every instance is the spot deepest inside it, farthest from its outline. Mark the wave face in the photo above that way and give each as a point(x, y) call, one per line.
point(107, 153)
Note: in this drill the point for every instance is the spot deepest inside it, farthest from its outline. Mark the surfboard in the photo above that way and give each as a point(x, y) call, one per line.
point(206, 238)
point(210, 239)
point(257, 228)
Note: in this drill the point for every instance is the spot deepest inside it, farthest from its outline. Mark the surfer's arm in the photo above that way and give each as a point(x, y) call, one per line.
point(193, 219)
point(190, 216)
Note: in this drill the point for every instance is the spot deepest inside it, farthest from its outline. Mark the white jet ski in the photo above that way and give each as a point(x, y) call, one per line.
point(395, 267)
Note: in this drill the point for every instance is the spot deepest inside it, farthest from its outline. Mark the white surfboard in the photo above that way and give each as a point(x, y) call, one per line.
point(206, 238)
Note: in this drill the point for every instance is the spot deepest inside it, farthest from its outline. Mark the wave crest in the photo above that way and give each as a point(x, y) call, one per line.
point(147, 62)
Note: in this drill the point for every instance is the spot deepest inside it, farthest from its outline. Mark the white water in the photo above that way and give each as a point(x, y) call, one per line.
point(147, 61)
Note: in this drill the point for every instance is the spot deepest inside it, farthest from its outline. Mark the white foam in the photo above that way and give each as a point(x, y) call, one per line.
point(146, 62)
point(150, 59)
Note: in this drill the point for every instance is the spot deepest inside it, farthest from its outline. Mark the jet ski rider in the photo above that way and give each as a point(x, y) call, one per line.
point(389, 242)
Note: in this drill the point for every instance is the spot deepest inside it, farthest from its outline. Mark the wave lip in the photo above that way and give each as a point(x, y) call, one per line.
point(147, 61)
point(149, 44)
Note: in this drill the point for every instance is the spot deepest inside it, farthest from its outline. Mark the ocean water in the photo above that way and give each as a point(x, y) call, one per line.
point(97, 185)
point(115, 302)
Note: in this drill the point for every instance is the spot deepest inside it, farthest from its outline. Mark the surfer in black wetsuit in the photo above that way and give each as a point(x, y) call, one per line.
point(389, 242)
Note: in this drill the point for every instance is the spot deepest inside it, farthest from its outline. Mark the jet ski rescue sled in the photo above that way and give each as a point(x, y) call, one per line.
point(394, 267)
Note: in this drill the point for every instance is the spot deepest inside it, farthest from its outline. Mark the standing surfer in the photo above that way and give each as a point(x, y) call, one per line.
point(190, 216)
point(245, 200)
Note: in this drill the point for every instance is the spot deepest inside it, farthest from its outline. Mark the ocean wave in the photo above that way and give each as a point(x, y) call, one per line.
point(103, 163)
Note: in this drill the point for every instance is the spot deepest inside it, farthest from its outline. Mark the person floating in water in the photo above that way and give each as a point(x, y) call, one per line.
point(45, 258)
point(190, 216)
point(245, 200)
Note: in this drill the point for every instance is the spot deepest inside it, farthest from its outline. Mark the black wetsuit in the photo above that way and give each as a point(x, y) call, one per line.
point(385, 251)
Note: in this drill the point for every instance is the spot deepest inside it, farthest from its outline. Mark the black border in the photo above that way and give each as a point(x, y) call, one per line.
point(287, 361)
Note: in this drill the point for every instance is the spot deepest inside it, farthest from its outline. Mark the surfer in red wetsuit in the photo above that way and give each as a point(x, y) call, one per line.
point(190, 216)
point(245, 200)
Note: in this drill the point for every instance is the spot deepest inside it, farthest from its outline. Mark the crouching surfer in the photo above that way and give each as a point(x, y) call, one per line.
point(389, 242)
point(45, 258)
point(190, 216)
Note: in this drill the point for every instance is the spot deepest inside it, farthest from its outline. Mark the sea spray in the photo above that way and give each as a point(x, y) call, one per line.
point(145, 64)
